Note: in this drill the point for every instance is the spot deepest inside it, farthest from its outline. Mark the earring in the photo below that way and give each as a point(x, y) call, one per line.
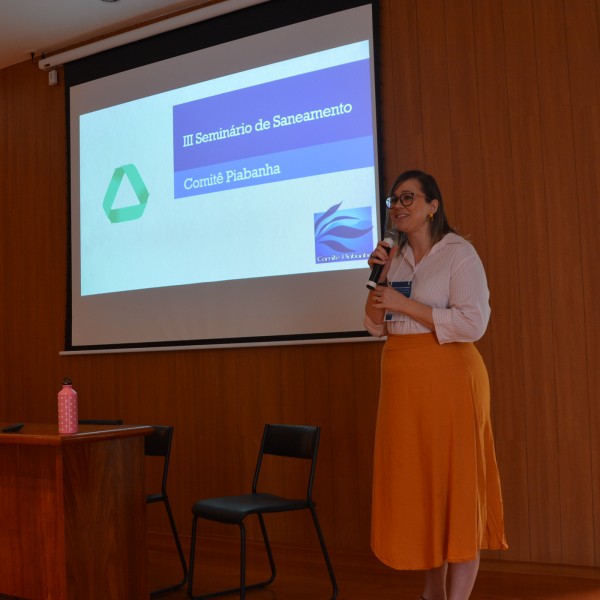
point(430, 215)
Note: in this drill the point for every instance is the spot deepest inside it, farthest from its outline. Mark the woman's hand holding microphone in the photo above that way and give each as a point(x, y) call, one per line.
point(383, 295)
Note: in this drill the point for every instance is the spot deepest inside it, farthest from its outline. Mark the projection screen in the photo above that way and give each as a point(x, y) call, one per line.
point(227, 194)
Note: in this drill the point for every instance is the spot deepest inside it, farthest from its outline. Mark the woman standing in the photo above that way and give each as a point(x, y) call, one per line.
point(436, 490)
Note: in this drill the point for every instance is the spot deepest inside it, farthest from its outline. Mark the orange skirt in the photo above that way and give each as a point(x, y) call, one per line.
point(436, 487)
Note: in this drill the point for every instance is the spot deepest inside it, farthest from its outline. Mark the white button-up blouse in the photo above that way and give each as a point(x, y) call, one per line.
point(451, 279)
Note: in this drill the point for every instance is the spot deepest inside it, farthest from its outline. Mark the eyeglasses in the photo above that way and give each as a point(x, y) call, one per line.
point(405, 199)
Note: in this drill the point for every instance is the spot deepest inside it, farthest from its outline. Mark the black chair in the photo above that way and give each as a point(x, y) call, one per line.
point(293, 441)
point(101, 421)
point(158, 444)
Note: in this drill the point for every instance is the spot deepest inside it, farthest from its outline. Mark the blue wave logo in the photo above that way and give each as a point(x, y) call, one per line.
point(342, 235)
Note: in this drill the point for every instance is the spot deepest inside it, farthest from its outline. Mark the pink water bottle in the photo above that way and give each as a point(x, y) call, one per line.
point(68, 419)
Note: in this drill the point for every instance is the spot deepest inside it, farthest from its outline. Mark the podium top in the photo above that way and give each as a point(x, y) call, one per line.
point(46, 434)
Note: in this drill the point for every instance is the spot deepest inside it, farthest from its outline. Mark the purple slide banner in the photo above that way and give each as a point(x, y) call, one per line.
point(312, 109)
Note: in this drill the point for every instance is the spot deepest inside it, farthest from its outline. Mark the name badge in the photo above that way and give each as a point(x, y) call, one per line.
point(404, 287)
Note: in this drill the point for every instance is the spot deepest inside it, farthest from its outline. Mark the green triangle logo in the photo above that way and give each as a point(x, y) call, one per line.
point(125, 213)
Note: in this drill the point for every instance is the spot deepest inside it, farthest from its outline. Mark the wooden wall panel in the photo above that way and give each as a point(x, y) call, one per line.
point(365, 365)
point(467, 194)
point(527, 209)
point(317, 369)
point(583, 49)
point(400, 90)
point(342, 416)
point(434, 89)
point(506, 356)
point(565, 274)
point(500, 100)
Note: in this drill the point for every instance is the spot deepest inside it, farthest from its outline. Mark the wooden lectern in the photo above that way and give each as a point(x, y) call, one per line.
point(73, 513)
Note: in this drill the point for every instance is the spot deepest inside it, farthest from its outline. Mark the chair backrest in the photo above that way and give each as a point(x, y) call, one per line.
point(296, 441)
point(292, 441)
point(158, 443)
point(101, 421)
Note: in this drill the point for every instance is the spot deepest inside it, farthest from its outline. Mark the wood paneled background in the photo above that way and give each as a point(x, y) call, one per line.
point(500, 100)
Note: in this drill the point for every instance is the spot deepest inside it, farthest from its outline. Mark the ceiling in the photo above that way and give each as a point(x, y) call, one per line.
point(46, 26)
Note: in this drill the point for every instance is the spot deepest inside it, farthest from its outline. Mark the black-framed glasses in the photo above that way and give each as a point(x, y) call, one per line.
point(405, 199)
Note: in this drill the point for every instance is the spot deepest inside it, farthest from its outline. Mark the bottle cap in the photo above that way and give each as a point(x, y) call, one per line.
point(67, 381)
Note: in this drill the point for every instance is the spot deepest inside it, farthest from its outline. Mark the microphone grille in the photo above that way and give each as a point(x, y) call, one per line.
point(392, 236)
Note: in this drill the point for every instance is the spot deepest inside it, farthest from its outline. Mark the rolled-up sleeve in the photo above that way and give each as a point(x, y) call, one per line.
point(376, 330)
point(468, 312)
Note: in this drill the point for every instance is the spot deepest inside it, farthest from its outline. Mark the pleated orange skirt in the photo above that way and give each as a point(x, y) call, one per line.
point(436, 487)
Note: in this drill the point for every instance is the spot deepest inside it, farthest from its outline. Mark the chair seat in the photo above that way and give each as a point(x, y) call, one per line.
point(234, 509)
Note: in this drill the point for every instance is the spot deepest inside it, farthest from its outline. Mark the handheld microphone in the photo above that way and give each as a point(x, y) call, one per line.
point(391, 239)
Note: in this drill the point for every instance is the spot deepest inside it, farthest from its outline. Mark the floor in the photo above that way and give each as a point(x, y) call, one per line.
point(302, 576)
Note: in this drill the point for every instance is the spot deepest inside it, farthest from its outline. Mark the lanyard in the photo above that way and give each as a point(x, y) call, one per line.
point(415, 268)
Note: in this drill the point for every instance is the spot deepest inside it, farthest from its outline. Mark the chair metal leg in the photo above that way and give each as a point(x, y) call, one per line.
point(182, 560)
point(263, 528)
point(242, 562)
point(192, 558)
point(313, 512)
point(184, 567)
point(243, 588)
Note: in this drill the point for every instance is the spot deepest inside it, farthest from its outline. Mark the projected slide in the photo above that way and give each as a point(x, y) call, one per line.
point(263, 173)
point(224, 181)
